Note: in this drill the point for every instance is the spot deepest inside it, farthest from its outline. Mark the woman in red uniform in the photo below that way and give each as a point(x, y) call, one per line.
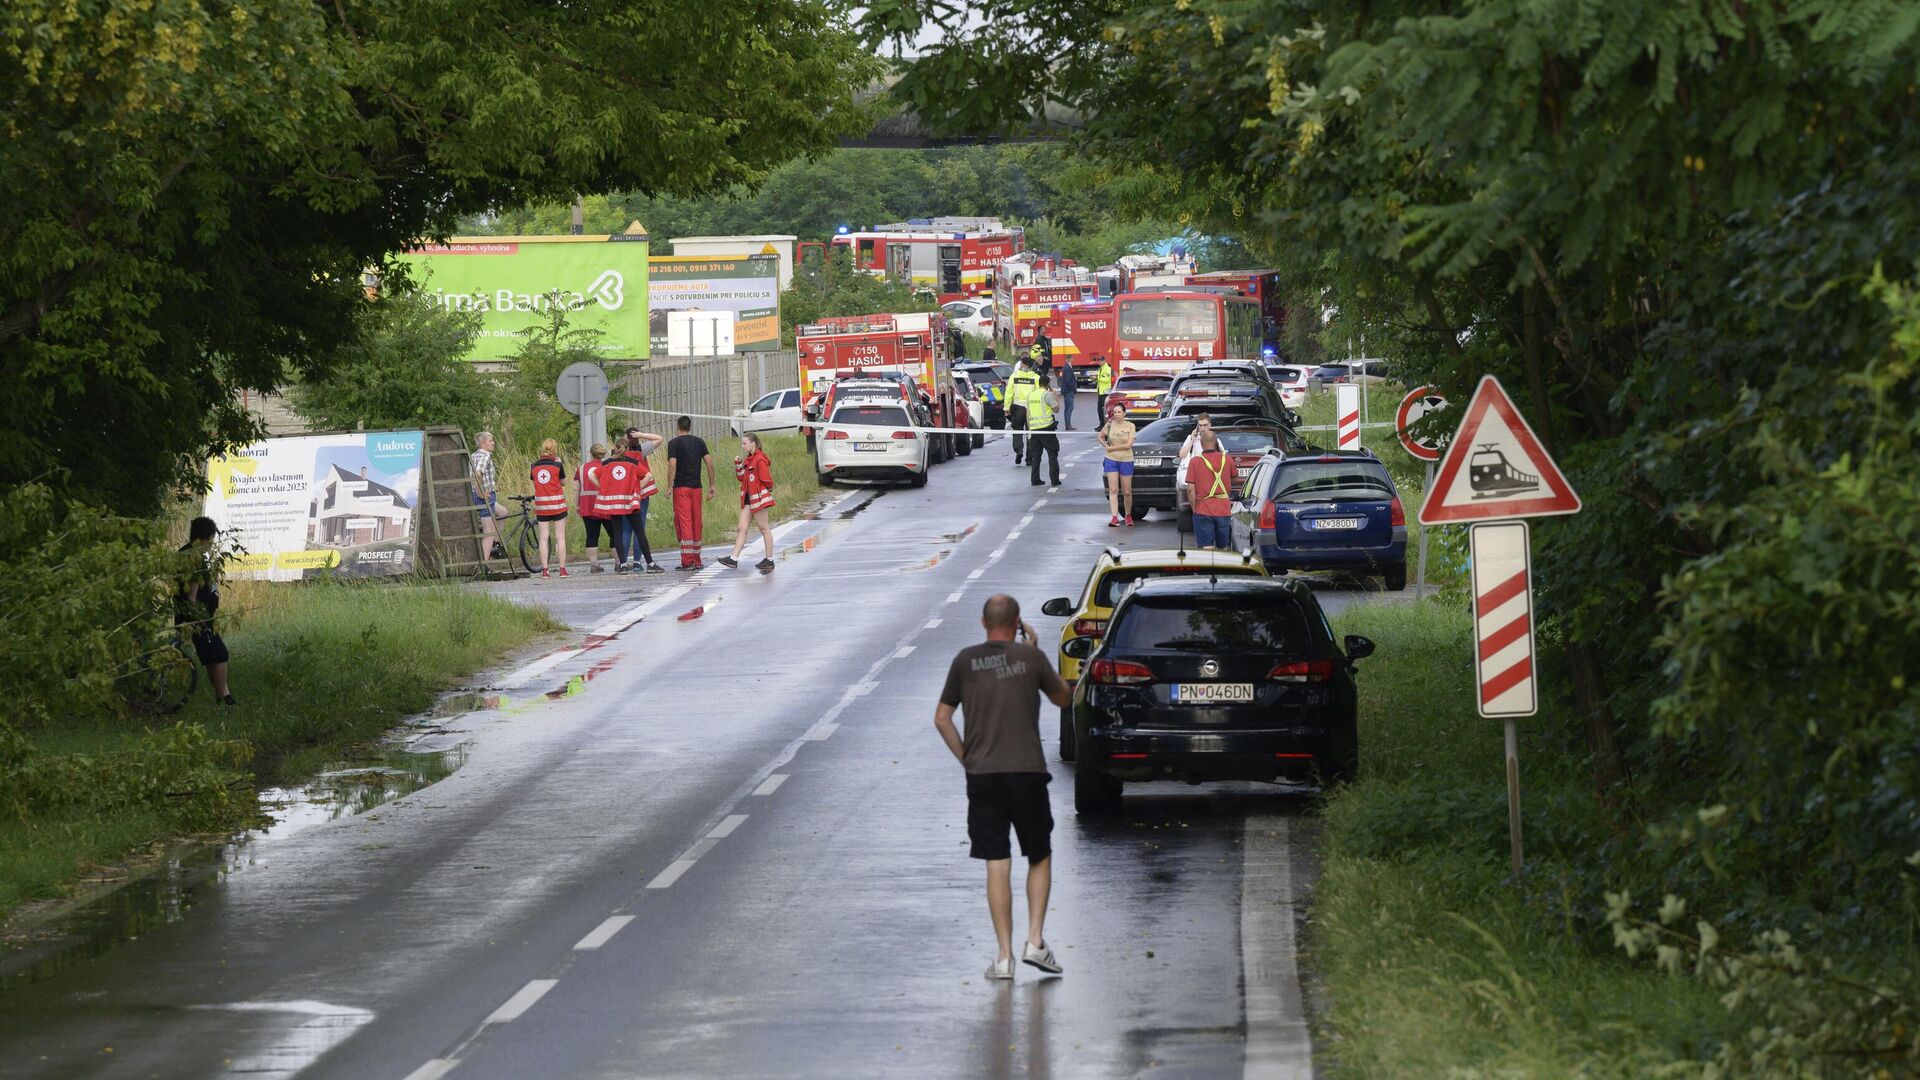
point(549, 478)
point(756, 499)
point(586, 485)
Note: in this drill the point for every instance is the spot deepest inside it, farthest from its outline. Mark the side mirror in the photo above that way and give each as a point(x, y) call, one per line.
point(1358, 646)
point(1079, 648)
point(1293, 418)
point(1059, 607)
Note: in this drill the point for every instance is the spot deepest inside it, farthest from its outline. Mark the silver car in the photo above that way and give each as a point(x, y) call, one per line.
point(871, 440)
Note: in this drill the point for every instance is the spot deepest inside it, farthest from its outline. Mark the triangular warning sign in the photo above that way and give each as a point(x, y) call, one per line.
point(769, 249)
point(1495, 468)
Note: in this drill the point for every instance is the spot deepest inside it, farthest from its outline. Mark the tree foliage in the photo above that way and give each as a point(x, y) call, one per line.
point(407, 367)
point(195, 188)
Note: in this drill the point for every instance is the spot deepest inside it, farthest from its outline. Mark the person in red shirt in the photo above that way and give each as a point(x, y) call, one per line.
point(632, 553)
point(756, 500)
point(549, 478)
point(1210, 492)
point(586, 483)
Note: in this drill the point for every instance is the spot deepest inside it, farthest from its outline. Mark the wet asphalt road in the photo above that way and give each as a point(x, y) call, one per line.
point(724, 841)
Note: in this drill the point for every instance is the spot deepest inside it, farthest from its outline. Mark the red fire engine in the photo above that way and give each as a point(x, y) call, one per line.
point(1262, 285)
point(1082, 332)
point(953, 258)
point(1166, 331)
point(913, 344)
point(1025, 292)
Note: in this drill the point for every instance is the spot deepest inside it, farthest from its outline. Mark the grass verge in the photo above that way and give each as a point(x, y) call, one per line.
point(316, 667)
point(1431, 962)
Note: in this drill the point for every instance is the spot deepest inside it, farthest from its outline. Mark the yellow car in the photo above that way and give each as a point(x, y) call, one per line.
point(1113, 573)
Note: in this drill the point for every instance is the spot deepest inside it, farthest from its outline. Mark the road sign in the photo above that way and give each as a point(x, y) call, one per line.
point(1495, 468)
point(1346, 410)
point(581, 387)
point(1417, 405)
point(1503, 620)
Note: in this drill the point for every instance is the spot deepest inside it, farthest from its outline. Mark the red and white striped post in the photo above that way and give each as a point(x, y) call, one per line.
point(1505, 682)
point(1346, 411)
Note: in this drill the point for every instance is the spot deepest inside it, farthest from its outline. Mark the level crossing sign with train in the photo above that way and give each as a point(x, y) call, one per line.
point(1495, 468)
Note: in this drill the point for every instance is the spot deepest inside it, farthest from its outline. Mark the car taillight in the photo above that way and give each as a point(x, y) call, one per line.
point(1398, 513)
point(1090, 627)
point(905, 435)
point(1302, 671)
point(836, 435)
point(1266, 516)
point(1119, 672)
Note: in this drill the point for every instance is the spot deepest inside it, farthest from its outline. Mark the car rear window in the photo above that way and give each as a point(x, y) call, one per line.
point(1143, 382)
point(870, 414)
point(1120, 581)
point(1318, 481)
point(1271, 622)
point(1244, 440)
point(1171, 429)
point(1286, 374)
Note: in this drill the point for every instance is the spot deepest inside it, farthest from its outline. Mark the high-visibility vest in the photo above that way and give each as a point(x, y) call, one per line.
point(549, 486)
point(1102, 379)
point(586, 482)
point(1210, 474)
point(1020, 385)
point(1039, 412)
point(618, 482)
point(756, 481)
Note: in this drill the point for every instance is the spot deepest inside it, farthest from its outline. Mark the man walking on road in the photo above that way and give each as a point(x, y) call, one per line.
point(1021, 385)
point(686, 456)
point(997, 686)
point(1045, 428)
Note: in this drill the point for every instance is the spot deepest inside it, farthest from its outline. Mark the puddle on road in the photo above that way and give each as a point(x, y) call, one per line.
point(187, 872)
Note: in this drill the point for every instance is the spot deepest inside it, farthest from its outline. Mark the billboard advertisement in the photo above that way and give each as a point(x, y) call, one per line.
point(307, 505)
point(601, 281)
point(748, 286)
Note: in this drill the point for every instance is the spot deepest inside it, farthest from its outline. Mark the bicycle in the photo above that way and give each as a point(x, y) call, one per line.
point(166, 672)
point(517, 534)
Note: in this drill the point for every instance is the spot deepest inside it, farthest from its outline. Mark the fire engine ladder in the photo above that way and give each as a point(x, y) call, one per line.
point(455, 542)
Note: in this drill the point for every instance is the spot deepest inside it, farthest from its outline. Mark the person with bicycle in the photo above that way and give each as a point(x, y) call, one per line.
point(196, 598)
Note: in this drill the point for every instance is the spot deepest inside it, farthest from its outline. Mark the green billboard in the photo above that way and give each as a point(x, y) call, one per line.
point(511, 281)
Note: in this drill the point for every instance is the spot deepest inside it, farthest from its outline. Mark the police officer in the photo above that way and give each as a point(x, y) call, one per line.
point(1021, 385)
point(1102, 382)
point(1045, 425)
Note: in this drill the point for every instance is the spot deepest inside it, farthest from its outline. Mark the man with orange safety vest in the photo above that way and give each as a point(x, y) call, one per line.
point(1210, 493)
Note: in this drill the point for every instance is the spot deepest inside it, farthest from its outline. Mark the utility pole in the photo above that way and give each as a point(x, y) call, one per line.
point(579, 215)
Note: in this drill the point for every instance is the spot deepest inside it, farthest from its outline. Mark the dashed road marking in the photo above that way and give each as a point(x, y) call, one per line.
point(822, 731)
point(975, 575)
point(1014, 535)
point(903, 652)
point(932, 623)
point(603, 933)
point(522, 1000)
point(726, 827)
point(771, 784)
point(665, 878)
point(954, 595)
point(433, 1070)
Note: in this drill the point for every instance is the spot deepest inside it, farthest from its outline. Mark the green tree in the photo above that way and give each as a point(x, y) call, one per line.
point(407, 367)
point(195, 189)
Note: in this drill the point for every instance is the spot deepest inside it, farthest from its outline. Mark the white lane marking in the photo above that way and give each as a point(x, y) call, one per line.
point(1053, 490)
point(726, 827)
point(522, 1000)
point(532, 670)
point(433, 1070)
point(932, 623)
point(603, 933)
point(821, 731)
point(1014, 535)
point(699, 849)
point(1278, 1044)
point(997, 553)
point(666, 878)
point(1025, 521)
point(1038, 503)
point(771, 784)
point(903, 652)
point(955, 595)
point(975, 575)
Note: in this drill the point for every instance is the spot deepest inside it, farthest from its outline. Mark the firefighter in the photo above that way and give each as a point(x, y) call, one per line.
point(1045, 425)
point(1102, 382)
point(549, 478)
point(1022, 384)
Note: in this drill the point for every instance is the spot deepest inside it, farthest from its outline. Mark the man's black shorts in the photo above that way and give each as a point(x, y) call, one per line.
point(209, 647)
point(1018, 799)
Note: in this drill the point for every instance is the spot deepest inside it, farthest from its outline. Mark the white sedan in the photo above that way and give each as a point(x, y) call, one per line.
point(970, 316)
point(1291, 380)
point(870, 441)
point(778, 411)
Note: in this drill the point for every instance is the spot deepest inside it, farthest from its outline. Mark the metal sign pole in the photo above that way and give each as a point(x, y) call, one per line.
point(1420, 575)
point(1513, 794)
point(586, 418)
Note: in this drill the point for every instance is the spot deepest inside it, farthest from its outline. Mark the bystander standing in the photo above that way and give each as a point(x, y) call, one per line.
point(686, 456)
point(486, 493)
point(197, 598)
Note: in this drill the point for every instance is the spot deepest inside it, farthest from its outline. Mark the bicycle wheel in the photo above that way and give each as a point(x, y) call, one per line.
point(165, 679)
point(525, 545)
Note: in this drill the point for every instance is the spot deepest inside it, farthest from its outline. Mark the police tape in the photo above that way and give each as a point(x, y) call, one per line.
point(937, 430)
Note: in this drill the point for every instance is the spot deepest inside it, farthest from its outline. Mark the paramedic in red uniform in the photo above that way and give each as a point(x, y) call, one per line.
point(686, 456)
point(756, 500)
point(635, 554)
point(549, 478)
point(586, 484)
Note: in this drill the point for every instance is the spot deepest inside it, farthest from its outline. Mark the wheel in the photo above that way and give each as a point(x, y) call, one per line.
point(1395, 576)
point(964, 444)
point(1095, 794)
point(826, 479)
point(979, 441)
point(526, 546)
point(1066, 733)
point(165, 678)
point(918, 479)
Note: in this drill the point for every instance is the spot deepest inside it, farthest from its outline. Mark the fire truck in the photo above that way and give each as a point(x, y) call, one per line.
point(1133, 273)
point(1164, 331)
point(1082, 333)
point(1262, 285)
point(952, 258)
point(835, 350)
point(1025, 292)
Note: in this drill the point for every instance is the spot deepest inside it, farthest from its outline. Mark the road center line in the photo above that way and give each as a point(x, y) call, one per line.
point(522, 1000)
point(903, 652)
point(603, 933)
point(771, 784)
point(954, 595)
point(433, 1070)
point(1278, 1044)
point(726, 827)
point(932, 623)
point(665, 878)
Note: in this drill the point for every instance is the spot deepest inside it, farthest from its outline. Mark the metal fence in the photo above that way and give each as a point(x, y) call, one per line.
point(698, 386)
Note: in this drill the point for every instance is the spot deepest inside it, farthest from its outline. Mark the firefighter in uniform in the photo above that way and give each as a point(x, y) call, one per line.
point(1020, 385)
point(1045, 427)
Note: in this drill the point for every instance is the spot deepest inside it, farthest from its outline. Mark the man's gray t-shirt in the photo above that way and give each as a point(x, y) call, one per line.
point(997, 687)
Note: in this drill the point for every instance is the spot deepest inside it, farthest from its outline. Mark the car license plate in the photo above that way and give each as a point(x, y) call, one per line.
point(872, 446)
point(1207, 692)
point(1325, 524)
point(1148, 462)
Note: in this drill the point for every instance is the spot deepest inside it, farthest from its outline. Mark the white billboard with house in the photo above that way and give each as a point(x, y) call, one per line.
point(314, 505)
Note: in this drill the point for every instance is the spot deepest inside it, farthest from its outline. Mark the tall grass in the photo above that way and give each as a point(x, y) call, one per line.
point(794, 481)
point(317, 666)
point(1433, 963)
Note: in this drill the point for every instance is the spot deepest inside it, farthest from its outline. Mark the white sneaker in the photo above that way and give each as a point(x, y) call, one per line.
point(1001, 969)
point(1041, 958)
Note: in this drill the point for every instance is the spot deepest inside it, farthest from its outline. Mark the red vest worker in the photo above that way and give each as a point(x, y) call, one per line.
point(549, 478)
point(756, 500)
